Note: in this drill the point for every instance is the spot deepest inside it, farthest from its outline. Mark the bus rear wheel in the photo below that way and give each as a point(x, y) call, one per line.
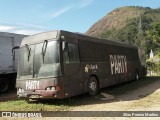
point(92, 86)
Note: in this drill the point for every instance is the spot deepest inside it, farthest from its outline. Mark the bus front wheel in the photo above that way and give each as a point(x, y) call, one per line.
point(92, 86)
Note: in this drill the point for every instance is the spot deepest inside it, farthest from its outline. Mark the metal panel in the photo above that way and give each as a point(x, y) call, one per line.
point(16, 57)
point(6, 59)
point(39, 37)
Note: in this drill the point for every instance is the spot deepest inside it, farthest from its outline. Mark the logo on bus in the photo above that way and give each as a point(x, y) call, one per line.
point(32, 85)
point(118, 64)
point(90, 67)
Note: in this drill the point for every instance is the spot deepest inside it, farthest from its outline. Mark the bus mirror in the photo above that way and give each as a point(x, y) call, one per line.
point(16, 47)
point(13, 51)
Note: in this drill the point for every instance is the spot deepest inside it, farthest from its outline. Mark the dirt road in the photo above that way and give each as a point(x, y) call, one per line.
point(144, 98)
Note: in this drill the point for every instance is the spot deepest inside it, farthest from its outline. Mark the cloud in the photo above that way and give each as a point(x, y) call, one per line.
point(85, 3)
point(6, 28)
point(82, 4)
point(22, 29)
point(8, 25)
point(31, 25)
point(27, 32)
point(60, 12)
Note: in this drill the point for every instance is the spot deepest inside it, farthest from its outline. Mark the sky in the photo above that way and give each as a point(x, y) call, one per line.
point(36, 16)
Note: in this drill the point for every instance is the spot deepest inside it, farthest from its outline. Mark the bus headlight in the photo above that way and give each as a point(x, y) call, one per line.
point(20, 90)
point(51, 88)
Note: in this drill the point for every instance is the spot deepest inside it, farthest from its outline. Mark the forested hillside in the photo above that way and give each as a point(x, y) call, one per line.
point(134, 25)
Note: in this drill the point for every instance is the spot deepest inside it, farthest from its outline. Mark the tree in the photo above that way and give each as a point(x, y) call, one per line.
point(154, 33)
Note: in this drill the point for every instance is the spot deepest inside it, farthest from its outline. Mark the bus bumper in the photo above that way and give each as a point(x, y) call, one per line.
point(37, 94)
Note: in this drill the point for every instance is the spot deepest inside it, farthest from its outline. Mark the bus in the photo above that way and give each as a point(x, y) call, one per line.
point(60, 64)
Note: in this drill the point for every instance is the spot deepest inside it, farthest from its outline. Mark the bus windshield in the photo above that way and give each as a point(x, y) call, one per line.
point(39, 60)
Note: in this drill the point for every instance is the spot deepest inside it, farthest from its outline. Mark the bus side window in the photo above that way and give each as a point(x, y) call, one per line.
point(70, 53)
point(73, 53)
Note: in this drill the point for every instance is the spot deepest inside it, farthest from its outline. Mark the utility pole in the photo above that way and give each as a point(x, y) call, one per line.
point(140, 33)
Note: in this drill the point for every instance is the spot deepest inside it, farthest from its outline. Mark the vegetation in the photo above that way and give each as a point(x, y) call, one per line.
point(141, 31)
point(153, 65)
point(139, 26)
point(134, 25)
point(22, 105)
point(154, 34)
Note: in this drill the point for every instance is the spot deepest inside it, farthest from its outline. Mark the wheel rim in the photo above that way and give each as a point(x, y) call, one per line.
point(93, 86)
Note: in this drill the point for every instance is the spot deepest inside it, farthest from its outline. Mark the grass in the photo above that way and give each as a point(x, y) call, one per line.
point(22, 105)
point(68, 104)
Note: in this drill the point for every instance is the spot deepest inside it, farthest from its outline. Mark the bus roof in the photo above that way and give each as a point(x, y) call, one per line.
point(80, 36)
point(56, 34)
point(40, 37)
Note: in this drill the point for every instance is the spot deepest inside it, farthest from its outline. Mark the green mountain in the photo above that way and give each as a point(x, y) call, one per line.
point(129, 25)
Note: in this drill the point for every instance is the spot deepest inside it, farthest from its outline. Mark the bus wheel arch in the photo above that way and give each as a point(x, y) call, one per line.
point(93, 85)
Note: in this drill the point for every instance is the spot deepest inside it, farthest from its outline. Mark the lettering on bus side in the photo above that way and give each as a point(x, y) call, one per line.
point(32, 85)
point(118, 64)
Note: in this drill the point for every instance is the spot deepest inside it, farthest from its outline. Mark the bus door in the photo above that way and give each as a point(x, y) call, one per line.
point(72, 69)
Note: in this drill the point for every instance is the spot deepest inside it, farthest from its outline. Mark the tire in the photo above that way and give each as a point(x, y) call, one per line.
point(4, 86)
point(92, 86)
